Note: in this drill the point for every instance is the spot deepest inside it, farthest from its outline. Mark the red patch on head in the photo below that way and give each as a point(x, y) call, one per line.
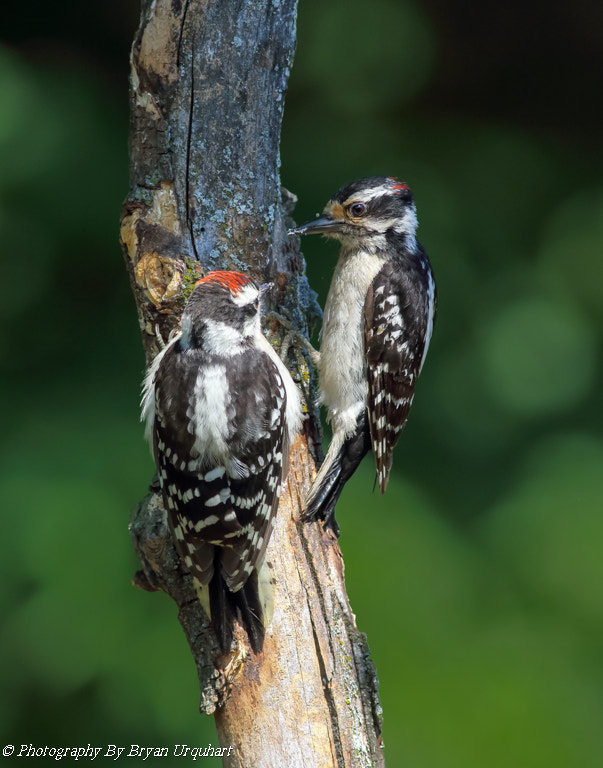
point(234, 281)
point(397, 184)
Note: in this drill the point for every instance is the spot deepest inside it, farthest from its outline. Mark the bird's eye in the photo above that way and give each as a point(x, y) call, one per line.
point(357, 209)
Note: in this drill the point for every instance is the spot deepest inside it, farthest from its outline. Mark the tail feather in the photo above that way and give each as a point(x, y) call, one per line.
point(246, 605)
point(342, 460)
point(250, 612)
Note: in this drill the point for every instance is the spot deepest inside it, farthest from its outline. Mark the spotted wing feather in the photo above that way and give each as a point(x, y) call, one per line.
point(395, 337)
point(221, 504)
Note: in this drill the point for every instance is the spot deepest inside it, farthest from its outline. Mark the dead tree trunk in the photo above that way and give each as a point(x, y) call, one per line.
point(208, 82)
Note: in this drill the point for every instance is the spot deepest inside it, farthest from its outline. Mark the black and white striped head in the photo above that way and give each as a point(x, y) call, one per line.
point(366, 212)
point(223, 311)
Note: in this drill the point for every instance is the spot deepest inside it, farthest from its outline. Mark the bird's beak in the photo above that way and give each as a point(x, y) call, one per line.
point(265, 287)
point(324, 224)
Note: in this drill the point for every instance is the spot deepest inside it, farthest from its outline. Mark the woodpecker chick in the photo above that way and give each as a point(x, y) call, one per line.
point(377, 325)
point(221, 412)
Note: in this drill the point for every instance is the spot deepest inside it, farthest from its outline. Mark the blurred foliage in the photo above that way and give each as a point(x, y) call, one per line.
point(478, 577)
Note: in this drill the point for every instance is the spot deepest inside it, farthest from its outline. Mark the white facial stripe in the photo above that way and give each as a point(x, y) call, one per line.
point(405, 226)
point(384, 189)
point(247, 295)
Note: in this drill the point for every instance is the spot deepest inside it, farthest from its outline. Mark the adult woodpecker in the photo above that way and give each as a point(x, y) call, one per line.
point(221, 411)
point(377, 325)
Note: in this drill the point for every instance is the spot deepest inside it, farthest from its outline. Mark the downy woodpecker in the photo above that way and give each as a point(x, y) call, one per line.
point(377, 324)
point(221, 412)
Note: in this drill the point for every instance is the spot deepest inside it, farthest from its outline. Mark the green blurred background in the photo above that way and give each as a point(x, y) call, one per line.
point(479, 576)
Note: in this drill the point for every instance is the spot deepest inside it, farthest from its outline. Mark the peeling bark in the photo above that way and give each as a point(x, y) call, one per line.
point(207, 93)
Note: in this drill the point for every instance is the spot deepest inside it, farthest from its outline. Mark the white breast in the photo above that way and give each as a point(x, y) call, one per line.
point(342, 368)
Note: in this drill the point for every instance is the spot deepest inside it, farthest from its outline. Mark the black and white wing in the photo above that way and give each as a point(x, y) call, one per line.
point(399, 312)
